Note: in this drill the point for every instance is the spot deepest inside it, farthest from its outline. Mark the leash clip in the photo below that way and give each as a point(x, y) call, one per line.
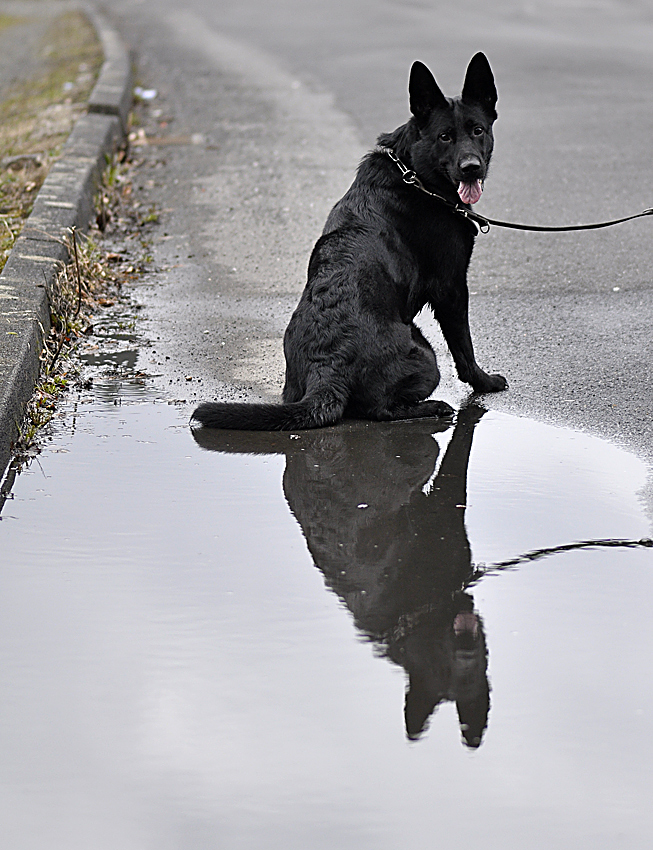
point(411, 178)
point(482, 223)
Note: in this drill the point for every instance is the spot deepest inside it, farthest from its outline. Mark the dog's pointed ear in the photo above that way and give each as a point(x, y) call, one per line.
point(425, 94)
point(479, 85)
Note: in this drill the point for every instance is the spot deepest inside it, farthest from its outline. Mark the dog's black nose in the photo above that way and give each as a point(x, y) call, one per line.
point(470, 166)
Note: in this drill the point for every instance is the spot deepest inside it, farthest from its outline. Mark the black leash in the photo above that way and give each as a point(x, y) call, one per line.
point(483, 222)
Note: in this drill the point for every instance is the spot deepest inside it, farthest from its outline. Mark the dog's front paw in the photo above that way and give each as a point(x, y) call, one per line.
point(484, 383)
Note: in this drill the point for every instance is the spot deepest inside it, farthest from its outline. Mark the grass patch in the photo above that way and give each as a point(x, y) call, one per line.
point(7, 21)
point(37, 115)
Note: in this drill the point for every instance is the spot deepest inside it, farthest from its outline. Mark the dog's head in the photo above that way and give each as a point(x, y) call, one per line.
point(454, 135)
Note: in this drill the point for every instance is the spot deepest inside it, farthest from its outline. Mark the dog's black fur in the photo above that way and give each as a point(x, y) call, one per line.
point(387, 250)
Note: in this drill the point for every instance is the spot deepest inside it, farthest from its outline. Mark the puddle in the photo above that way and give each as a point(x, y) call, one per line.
point(114, 342)
point(363, 637)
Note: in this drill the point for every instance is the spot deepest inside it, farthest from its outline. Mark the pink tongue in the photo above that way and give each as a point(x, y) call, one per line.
point(470, 193)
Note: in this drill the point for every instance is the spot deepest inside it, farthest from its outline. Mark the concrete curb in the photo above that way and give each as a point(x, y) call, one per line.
point(65, 200)
point(112, 94)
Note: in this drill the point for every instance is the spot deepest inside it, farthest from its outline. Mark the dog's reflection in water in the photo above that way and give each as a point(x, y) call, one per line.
point(386, 526)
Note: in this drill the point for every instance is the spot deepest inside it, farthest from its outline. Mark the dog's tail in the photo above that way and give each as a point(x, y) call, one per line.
point(314, 411)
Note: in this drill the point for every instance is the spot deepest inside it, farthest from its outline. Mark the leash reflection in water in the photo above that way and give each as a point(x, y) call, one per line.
point(390, 538)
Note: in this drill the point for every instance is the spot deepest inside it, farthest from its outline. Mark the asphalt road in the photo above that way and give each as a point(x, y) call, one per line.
point(271, 105)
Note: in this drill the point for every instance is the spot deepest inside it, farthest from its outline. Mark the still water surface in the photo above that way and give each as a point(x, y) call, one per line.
point(299, 641)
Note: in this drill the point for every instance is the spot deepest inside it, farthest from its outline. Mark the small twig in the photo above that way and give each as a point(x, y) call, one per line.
point(55, 357)
point(8, 483)
point(102, 218)
point(73, 230)
point(9, 230)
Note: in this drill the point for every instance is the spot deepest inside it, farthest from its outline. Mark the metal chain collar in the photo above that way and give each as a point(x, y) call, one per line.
point(411, 178)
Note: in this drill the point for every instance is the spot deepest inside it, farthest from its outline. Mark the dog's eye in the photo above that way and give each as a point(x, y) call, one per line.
point(445, 137)
point(478, 130)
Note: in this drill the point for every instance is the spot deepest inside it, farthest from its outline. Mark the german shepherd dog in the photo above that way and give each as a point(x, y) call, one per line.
point(389, 248)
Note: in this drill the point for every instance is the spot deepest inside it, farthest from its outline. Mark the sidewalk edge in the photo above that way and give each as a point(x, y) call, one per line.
point(64, 200)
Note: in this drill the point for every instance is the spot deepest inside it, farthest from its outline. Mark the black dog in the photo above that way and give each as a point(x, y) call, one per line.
point(389, 247)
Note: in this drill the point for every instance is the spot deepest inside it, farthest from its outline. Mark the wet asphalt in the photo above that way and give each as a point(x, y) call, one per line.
point(268, 109)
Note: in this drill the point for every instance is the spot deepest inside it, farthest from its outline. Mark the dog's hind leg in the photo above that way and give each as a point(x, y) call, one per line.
point(430, 409)
point(409, 402)
point(407, 383)
point(326, 406)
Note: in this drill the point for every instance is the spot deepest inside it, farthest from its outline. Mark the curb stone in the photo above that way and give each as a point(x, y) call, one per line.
point(64, 200)
point(112, 94)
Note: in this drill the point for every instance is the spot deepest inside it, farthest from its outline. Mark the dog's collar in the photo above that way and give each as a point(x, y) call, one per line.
point(411, 178)
point(482, 223)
